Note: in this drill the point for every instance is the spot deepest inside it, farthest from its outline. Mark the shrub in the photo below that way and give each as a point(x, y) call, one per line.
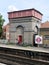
point(10, 43)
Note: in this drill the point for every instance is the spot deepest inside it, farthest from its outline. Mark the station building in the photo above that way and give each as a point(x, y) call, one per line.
point(23, 25)
point(6, 31)
point(44, 31)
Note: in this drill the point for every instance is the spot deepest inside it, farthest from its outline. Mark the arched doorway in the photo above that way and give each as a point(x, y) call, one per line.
point(20, 34)
point(34, 44)
point(35, 33)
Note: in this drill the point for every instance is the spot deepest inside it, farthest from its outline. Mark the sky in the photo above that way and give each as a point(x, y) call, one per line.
point(14, 5)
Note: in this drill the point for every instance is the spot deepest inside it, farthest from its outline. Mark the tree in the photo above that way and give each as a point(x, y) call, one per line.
point(1, 24)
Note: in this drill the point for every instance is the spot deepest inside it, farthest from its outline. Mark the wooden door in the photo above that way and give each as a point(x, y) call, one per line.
point(20, 39)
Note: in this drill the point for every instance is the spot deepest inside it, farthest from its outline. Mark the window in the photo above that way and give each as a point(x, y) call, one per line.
point(46, 37)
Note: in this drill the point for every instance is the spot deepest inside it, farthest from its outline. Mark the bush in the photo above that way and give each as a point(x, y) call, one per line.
point(26, 44)
point(10, 43)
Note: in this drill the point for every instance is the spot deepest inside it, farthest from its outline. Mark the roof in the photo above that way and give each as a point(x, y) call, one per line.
point(25, 13)
point(26, 10)
point(45, 24)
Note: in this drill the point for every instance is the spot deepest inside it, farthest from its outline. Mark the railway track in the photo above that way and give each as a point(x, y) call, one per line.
point(23, 57)
point(15, 59)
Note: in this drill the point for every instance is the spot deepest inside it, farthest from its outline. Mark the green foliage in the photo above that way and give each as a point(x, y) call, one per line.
point(10, 43)
point(26, 45)
point(1, 24)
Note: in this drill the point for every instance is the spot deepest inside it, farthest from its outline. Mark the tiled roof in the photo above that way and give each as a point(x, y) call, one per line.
point(45, 24)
